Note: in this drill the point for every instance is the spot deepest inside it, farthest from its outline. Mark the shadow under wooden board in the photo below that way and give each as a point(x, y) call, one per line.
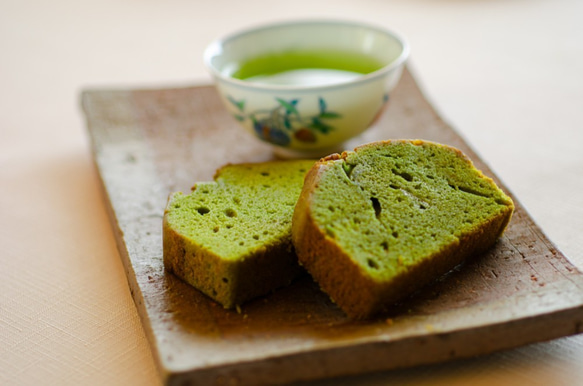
point(148, 143)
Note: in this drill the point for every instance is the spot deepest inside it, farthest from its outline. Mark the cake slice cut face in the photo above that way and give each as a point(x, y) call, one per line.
point(376, 224)
point(231, 238)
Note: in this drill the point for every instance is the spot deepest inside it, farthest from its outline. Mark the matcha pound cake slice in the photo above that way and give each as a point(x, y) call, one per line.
point(376, 224)
point(231, 238)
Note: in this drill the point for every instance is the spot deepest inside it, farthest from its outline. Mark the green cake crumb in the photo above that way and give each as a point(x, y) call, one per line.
point(231, 238)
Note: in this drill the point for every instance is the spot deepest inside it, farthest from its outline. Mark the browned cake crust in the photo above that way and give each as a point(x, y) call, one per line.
point(349, 284)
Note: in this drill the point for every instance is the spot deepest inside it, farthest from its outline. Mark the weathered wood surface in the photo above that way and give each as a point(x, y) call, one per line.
point(148, 143)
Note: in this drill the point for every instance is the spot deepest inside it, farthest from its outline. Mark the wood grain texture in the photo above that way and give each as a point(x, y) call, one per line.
point(148, 143)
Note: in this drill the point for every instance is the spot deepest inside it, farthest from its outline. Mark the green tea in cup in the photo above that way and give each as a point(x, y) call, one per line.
point(307, 67)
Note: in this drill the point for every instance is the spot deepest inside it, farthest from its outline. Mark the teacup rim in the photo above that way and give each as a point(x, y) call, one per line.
point(214, 46)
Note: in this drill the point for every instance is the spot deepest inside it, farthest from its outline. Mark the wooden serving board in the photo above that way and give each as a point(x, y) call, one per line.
point(148, 143)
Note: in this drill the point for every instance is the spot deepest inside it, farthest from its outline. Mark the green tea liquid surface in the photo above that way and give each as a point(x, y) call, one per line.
point(309, 68)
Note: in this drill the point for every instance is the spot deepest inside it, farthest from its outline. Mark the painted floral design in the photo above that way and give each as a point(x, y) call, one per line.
point(284, 122)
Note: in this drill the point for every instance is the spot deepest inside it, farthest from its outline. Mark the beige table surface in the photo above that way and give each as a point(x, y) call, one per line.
point(508, 75)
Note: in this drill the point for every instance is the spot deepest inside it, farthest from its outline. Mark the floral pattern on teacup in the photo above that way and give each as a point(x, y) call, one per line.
point(282, 123)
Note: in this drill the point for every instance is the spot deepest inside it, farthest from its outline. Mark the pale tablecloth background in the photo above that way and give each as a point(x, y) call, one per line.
point(507, 74)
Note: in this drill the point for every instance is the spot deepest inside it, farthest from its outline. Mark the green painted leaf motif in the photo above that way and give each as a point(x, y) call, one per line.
point(330, 115)
point(320, 126)
point(288, 106)
point(287, 122)
point(240, 105)
point(238, 117)
point(323, 106)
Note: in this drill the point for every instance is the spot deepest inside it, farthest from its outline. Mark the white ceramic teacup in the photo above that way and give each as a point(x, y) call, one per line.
point(307, 86)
